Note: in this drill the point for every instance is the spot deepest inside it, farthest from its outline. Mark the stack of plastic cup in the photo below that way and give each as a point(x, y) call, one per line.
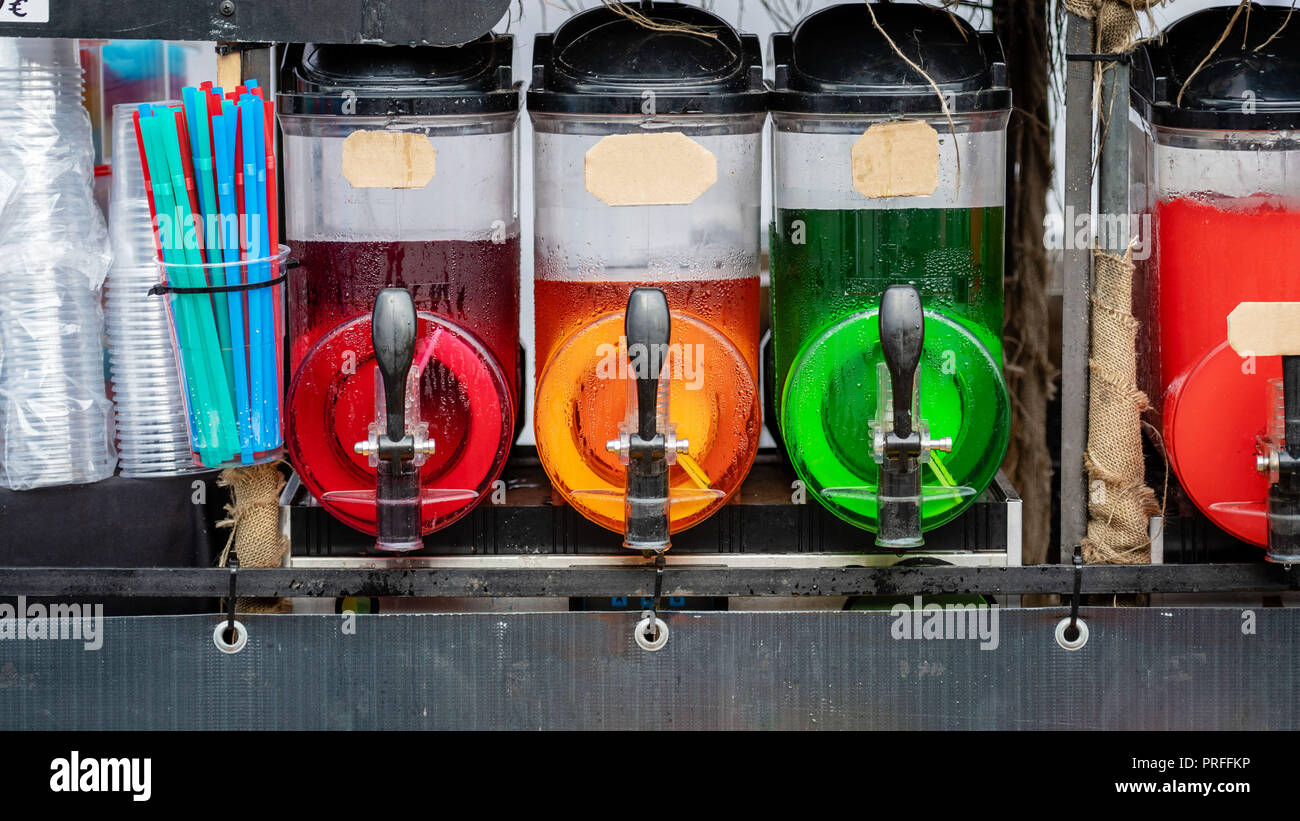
point(152, 434)
point(55, 419)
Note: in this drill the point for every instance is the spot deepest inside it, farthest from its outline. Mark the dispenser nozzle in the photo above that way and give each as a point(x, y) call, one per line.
point(397, 480)
point(1282, 460)
point(648, 327)
point(903, 445)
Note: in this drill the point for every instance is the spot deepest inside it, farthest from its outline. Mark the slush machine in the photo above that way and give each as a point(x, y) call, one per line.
point(1217, 160)
point(400, 186)
point(887, 262)
point(647, 167)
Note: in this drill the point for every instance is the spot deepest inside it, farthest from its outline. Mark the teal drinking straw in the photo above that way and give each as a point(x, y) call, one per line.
point(183, 323)
point(197, 119)
point(219, 407)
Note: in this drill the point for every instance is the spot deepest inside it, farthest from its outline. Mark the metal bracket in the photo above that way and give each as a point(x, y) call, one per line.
point(598, 580)
point(224, 49)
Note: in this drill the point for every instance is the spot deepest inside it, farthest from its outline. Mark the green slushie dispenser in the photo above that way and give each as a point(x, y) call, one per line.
point(887, 262)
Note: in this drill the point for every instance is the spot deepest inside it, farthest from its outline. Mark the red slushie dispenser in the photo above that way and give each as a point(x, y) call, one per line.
point(1220, 160)
point(400, 194)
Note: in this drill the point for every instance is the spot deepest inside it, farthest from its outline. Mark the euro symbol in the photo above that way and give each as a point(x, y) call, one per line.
point(16, 8)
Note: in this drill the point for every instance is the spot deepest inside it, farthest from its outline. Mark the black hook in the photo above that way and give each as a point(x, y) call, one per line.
point(657, 599)
point(233, 564)
point(1072, 632)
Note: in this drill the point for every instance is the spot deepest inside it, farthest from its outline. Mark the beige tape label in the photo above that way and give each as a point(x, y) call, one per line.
point(898, 159)
point(388, 159)
point(649, 169)
point(1265, 329)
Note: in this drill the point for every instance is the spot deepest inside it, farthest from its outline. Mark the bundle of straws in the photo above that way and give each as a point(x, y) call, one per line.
point(209, 168)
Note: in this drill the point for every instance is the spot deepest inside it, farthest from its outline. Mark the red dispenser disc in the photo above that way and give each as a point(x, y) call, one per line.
point(464, 399)
point(1212, 419)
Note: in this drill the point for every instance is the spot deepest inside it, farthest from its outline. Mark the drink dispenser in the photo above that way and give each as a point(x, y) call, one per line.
point(400, 177)
point(647, 161)
point(1217, 161)
point(887, 262)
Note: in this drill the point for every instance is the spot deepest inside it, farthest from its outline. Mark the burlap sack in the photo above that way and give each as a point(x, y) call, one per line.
point(254, 518)
point(1119, 502)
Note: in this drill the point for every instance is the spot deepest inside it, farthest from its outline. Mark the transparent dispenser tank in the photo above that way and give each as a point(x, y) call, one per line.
point(1223, 181)
point(863, 201)
point(400, 171)
point(647, 164)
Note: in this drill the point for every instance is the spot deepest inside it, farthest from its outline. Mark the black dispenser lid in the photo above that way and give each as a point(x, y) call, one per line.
point(601, 62)
point(377, 80)
point(836, 62)
point(1250, 83)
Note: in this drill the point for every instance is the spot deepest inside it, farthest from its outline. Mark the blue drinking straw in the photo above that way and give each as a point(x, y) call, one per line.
point(196, 116)
point(256, 335)
point(228, 238)
point(270, 410)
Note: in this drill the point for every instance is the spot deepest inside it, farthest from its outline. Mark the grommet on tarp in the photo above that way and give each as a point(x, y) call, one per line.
point(230, 637)
point(651, 632)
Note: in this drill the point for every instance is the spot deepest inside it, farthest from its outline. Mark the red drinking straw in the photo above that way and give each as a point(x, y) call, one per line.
point(148, 184)
point(191, 190)
point(273, 229)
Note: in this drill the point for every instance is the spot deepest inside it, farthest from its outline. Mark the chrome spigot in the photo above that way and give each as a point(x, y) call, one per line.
point(1280, 461)
point(394, 451)
point(644, 448)
point(902, 446)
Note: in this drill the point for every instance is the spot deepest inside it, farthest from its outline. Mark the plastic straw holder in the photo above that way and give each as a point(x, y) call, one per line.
point(227, 321)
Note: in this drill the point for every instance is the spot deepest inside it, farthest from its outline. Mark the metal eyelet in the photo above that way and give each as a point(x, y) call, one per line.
point(1080, 637)
point(651, 633)
point(220, 639)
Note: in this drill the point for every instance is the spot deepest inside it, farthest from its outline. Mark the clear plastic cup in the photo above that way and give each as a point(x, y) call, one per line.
point(55, 418)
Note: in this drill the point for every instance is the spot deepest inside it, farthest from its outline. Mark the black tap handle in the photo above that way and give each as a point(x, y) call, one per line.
point(392, 329)
point(902, 333)
point(647, 329)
